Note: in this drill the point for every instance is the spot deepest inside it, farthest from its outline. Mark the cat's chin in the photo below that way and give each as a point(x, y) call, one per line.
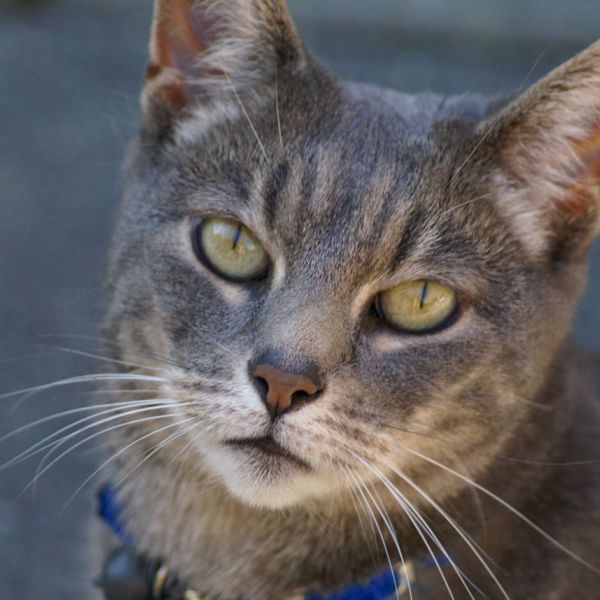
point(266, 481)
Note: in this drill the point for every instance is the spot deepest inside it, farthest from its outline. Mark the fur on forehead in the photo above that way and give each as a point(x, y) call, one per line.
point(215, 62)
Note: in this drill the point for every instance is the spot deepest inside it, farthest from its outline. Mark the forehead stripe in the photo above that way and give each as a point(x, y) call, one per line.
point(273, 186)
point(409, 238)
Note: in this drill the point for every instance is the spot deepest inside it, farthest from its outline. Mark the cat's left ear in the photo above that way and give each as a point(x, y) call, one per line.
point(204, 51)
point(548, 141)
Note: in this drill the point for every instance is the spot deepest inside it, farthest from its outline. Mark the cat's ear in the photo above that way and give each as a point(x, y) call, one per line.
point(549, 146)
point(201, 49)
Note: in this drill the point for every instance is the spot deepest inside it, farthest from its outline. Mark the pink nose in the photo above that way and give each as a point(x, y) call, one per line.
point(284, 389)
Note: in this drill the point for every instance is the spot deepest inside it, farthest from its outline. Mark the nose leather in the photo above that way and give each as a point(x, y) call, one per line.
point(283, 386)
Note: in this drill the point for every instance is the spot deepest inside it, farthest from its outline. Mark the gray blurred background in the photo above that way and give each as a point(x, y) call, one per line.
point(69, 77)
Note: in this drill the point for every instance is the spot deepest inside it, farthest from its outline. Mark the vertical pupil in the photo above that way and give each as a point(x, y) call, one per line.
point(236, 238)
point(424, 294)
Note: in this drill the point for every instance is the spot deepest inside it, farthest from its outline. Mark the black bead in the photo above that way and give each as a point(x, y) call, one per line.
point(125, 577)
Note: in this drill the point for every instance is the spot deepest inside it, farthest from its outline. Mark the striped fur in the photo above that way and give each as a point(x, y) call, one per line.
point(352, 189)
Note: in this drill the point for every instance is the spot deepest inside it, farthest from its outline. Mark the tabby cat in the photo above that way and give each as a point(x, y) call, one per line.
point(342, 317)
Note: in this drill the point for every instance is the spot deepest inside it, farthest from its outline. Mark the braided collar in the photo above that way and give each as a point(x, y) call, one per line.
point(127, 575)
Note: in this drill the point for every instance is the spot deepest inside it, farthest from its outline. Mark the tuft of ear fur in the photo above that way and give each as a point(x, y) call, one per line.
point(204, 50)
point(549, 144)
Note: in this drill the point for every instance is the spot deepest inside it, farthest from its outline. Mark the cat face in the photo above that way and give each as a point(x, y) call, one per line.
point(341, 280)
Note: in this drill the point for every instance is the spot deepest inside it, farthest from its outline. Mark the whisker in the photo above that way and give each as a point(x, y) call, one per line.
point(185, 448)
point(404, 504)
point(376, 523)
point(541, 463)
point(74, 411)
point(457, 459)
point(123, 450)
point(386, 519)
point(277, 115)
point(39, 474)
point(254, 131)
point(467, 202)
point(28, 392)
point(105, 341)
point(158, 447)
point(508, 506)
point(419, 522)
point(422, 528)
point(105, 358)
point(115, 417)
point(359, 514)
point(454, 526)
point(405, 566)
point(118, 391)
point(46, 443)
point(496, 123)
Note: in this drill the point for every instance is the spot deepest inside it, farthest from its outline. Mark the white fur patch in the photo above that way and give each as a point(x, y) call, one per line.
point(203, 119)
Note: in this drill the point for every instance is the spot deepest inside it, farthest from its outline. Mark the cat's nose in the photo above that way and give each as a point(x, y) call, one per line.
point(281, 391)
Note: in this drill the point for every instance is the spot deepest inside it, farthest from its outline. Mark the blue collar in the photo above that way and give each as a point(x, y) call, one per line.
point(123, 567)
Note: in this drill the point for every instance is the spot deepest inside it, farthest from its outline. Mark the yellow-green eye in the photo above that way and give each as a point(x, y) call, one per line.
point(231, 250)
point(418, 306)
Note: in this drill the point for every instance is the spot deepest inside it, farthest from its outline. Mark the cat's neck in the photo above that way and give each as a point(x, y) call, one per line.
point(184, 515)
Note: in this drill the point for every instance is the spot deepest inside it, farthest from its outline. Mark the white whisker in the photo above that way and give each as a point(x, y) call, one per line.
point(417, 524)
point(105, 358)
point(355, 499)
point(454, 456)
point(28, 392)
point(118, 391)
point(254, 131)
point(376, 523)
point(47, 442)
point(467, 202)
point(87, 439)
point(495, 124)
point(158, 447)
point(74, 411)
point(105, 341)
point(277, 115)
point(185, 448)
point(388, 522)
point(123, 450)
point(508, 506)
point(115, 417)
point(454, 526)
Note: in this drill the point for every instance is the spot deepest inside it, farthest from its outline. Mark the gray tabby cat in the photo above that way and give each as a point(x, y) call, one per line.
point(354, 306)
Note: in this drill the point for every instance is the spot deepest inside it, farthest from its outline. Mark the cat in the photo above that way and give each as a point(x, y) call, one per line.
point(348, 310)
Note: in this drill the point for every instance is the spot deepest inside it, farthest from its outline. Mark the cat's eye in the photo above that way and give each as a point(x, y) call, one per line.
point(231, 250)
point(417, 306)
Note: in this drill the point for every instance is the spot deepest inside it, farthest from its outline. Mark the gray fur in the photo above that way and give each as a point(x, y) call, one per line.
point(353, 189)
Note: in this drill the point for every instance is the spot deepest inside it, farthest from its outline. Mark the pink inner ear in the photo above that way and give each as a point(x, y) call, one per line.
point(589, 151)
point(581, 198)
point(180, 36)
point(179, 39)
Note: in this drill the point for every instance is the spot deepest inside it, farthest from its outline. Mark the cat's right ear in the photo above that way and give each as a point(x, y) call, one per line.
point(206, 51)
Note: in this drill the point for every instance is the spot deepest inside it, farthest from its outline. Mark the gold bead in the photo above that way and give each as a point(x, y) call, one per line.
point(159, 582)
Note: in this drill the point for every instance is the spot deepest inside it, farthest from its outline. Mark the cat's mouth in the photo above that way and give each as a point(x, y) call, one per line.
point(267, 446)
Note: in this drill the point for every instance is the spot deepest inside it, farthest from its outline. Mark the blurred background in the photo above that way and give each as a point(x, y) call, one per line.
point(69, 77)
